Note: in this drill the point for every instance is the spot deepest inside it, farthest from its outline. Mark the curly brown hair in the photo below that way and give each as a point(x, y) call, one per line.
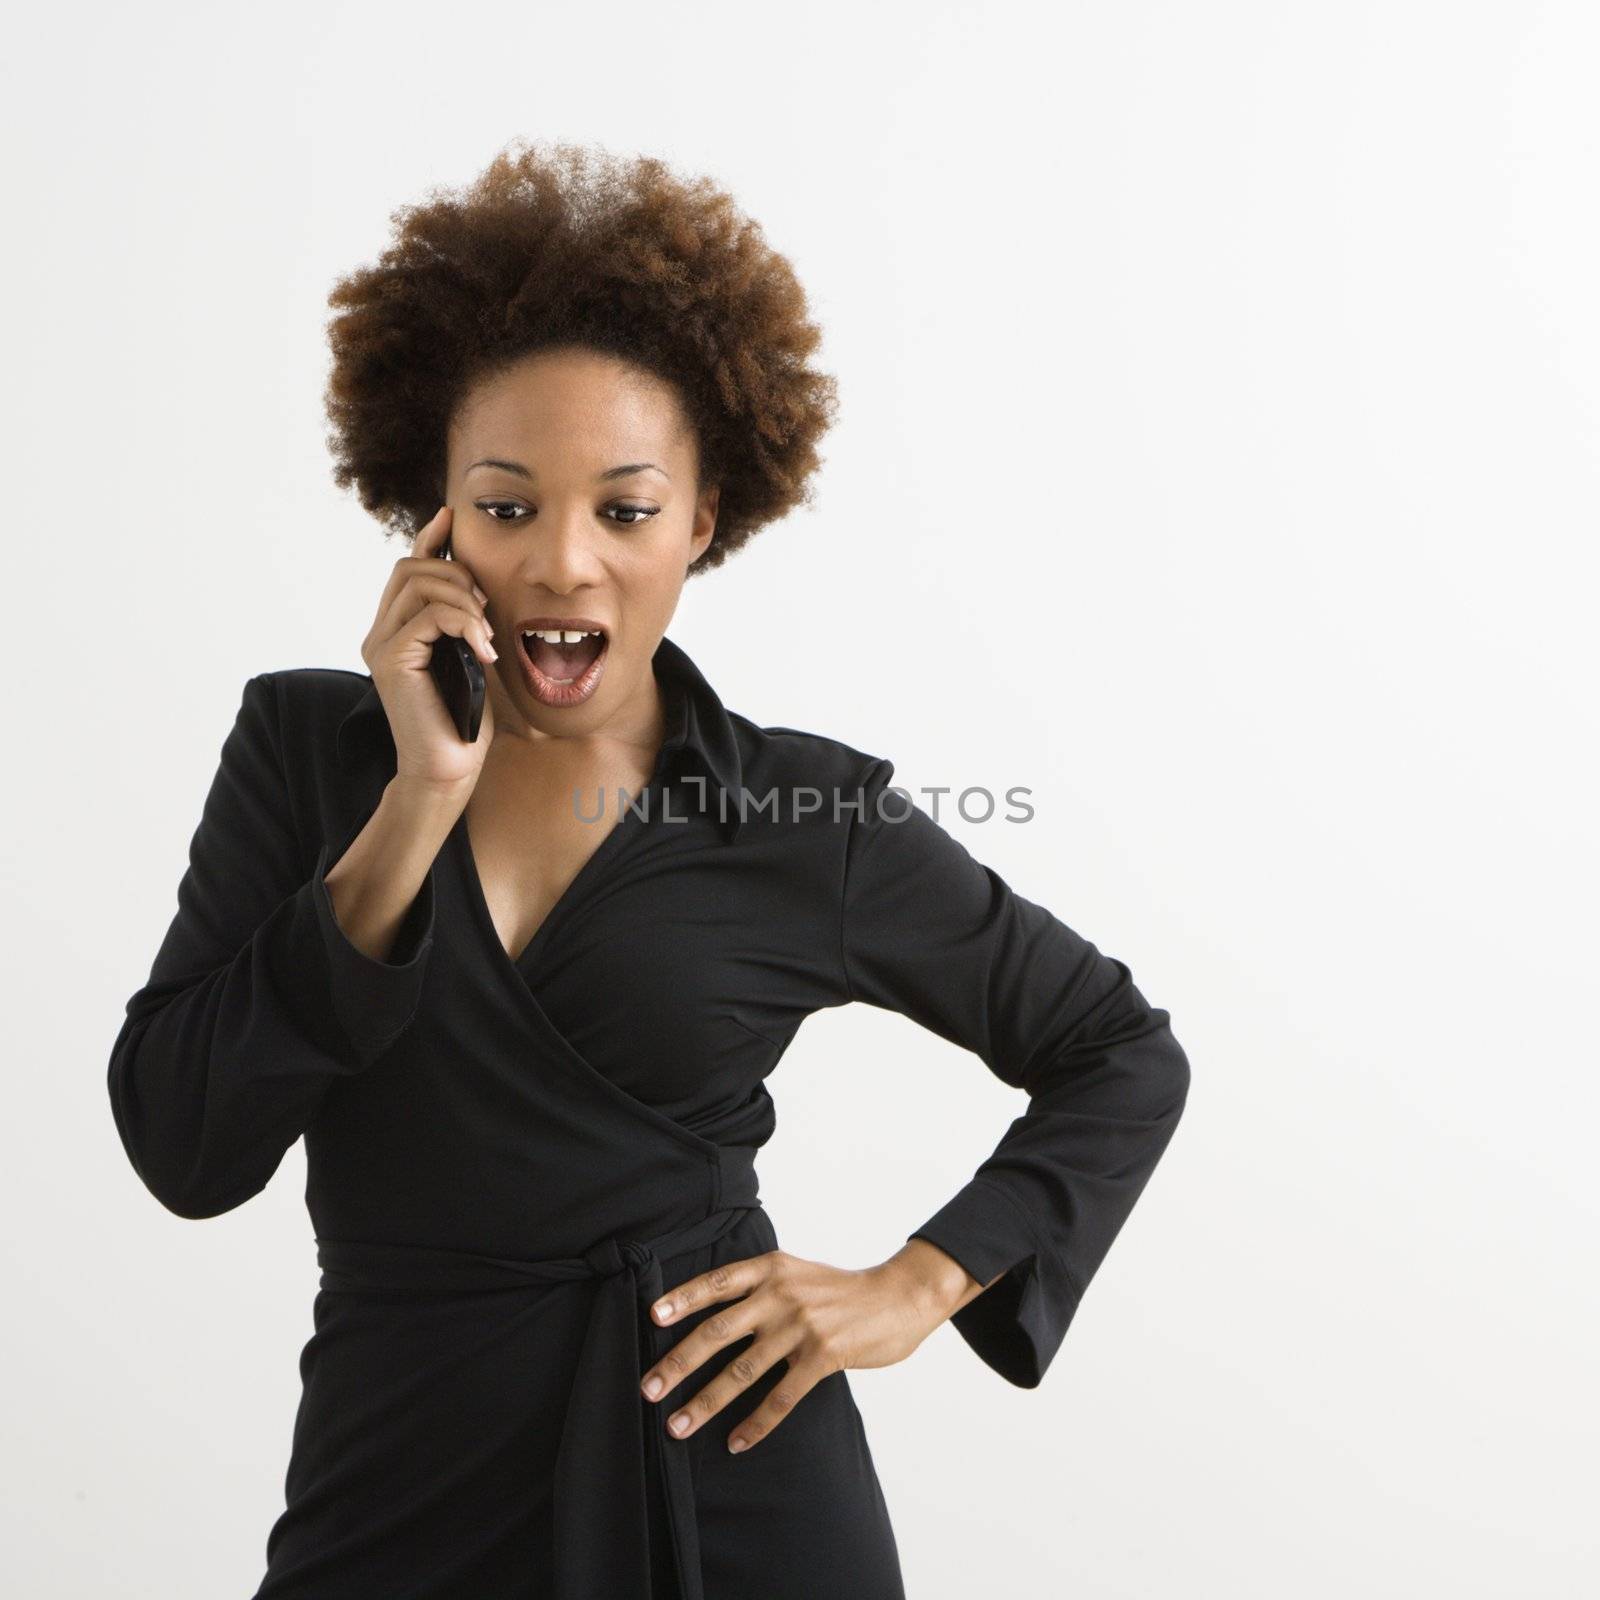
point(570, 245)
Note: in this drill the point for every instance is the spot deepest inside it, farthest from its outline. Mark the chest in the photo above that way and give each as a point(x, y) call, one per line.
point(533, 834)
point(676, 961)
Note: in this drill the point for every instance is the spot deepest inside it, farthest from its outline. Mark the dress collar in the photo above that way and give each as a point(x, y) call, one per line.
point(697, 724)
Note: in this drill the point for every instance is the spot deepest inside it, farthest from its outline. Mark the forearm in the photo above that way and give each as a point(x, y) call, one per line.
point(376, 881)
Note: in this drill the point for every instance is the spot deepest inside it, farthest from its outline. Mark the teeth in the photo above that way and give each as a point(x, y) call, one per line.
point(562, 635)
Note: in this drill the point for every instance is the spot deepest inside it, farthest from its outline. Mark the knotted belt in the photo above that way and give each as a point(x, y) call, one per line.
point(602, 1522)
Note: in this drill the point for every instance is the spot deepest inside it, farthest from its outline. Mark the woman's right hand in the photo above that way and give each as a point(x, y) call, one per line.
point(425, 598)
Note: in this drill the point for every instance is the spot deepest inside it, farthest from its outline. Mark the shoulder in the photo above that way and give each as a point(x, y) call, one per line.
point(815, 785)
point(775, 753)
point(308, 704)
point(307, 693)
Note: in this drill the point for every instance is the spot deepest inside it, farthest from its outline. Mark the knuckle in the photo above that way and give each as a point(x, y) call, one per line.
point(742, 1369)
point(782, 1400)
point(675, 1361)
point(718, 1326)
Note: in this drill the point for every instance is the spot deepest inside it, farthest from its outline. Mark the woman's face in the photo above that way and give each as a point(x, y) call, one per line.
point(572, 482)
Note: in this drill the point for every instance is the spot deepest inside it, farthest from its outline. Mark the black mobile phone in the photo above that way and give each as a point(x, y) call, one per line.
point(459, 674)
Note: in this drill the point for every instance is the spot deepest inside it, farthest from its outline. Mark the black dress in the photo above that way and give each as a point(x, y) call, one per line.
point(507, 1161)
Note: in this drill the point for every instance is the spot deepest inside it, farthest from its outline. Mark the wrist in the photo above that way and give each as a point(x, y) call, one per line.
point(935, 1279)
point(423, 801)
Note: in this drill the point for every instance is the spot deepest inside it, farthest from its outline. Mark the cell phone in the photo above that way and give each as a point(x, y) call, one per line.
point(459, 674)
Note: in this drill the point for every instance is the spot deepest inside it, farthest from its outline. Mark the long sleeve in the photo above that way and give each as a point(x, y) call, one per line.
point(256, 1002)
point(932, 933)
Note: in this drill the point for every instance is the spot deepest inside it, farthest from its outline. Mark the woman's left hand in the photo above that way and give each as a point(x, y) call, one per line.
point(821, 1318)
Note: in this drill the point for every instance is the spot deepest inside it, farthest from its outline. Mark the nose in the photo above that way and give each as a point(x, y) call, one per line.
point(562, 552)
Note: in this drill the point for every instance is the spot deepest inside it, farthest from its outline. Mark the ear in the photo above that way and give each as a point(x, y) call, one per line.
point(705, 522)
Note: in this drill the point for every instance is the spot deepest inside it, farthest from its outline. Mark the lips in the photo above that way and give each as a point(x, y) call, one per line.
point(561, 674)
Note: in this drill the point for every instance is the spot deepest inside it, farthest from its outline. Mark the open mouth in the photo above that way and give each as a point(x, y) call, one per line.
point(568, 660)
point(562, 665)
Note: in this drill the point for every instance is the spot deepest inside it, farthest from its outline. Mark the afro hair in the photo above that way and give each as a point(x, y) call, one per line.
point(570, 245)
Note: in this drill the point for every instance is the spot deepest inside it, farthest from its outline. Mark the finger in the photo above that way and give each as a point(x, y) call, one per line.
point(720, 1283)
point(801, 1378)
point(419, 590)
point(429, 549)
point(441, 617)
point(732, 1381)
point(433, 533)
point(424, 590)
point(697, 1347)
point(426, 557)
point(424, 543)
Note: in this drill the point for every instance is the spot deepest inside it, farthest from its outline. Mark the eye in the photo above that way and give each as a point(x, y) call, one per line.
point(491, 507)
point(630, 516)
point(638, 514)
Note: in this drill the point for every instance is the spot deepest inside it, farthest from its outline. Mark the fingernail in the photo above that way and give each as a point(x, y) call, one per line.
point(663, 1309)
point(736, 1445)
point(652, 1386)
point(483, 599)
point(679, 1424)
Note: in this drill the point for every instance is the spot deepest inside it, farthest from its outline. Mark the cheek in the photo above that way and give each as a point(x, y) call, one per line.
point(492, 566)
point(652, 578)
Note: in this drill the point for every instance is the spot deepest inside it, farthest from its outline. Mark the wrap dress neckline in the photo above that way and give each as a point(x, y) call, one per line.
point(674, 744)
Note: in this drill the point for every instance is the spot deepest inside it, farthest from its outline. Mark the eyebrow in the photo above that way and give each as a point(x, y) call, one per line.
point(626, 471)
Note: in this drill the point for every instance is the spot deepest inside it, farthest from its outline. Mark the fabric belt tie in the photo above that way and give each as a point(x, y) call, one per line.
point(602, 1511)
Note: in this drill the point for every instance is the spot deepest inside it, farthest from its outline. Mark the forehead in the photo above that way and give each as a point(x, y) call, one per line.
point(570, 401)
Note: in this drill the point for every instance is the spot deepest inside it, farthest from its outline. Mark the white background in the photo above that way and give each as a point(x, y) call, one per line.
point(1217, 457)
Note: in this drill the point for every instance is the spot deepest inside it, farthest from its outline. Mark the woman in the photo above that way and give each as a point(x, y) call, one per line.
point(524, 1036)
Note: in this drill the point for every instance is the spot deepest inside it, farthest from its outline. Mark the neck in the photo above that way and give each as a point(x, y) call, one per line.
point(639, 723)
